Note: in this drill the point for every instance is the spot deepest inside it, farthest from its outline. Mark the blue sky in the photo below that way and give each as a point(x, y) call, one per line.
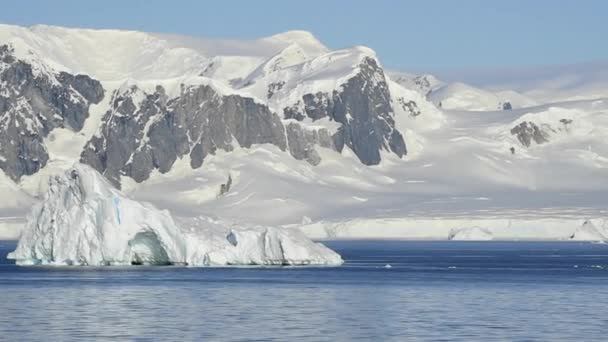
point(407, 35)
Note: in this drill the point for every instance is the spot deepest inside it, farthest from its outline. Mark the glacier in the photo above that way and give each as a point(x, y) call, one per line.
point(84, 221)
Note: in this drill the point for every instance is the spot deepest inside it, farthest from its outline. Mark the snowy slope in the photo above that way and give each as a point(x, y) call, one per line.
point(424, 84)
point(460, 96)
point(114, 55)
point(546, 84)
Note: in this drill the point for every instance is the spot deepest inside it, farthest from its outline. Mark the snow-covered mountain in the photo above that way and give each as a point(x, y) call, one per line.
point(283, 130)
point(171, 97)
point(424, 84)
point(460, 96)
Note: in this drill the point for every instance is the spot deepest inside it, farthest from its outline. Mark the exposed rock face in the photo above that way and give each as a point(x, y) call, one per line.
point(409, 107)
point(528, 131)
point(302, 142)
point(225, 188)
point(273, 88)
point(34, 101)
point(363, 107)
point(423, 84)
point(143, 132)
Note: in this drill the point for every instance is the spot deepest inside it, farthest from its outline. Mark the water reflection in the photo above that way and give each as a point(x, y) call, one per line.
point(414, 300)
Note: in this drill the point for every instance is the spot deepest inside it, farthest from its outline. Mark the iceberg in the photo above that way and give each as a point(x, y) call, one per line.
point(83, 220)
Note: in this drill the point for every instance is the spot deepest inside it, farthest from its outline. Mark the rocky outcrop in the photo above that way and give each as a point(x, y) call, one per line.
point(423, 84)
point(410, 107)
point(137, 137)
point(528, 132)
point(363, 108)
point(302, 142)
point(35, 100)
point(225, 187)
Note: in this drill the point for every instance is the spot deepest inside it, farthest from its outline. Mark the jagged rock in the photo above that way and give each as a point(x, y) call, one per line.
point(33, 102)
point(225, 188)
point(409, 106)
point(136, 138)
point(423, 84)
point(302, 142)
point(273, 88)
point(363, 107)
point(527, 132)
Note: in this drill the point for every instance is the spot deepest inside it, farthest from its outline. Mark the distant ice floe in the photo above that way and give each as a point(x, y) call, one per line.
point(83, 220)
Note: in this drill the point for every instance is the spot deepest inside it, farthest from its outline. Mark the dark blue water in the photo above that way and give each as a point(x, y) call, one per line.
point(434, 291)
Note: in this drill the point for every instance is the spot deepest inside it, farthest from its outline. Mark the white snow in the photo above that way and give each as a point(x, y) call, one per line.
point(548, 84)
point(114, 54)
point(422, 84)
point(460, 96)
point(298, 75)
point(84, 221)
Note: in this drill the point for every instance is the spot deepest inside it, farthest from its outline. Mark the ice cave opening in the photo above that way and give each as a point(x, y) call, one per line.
point(146, 249)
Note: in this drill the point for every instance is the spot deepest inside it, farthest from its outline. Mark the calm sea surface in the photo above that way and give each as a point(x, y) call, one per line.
point(452, 291)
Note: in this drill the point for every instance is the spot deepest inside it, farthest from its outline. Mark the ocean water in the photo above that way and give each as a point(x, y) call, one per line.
point(435, 291)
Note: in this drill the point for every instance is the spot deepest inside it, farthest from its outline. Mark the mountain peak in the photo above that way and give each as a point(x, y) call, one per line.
point(305, 39)
point(294, 35)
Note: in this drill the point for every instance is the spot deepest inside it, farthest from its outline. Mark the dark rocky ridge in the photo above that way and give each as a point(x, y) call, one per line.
point(32, 104)
point(528, 132)
point(145, 132)
point(137, 138)
point(363, 107)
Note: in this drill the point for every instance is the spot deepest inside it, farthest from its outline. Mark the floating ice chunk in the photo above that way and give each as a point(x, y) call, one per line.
point(83, 220)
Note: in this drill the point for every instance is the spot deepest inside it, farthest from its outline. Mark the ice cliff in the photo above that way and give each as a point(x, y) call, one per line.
point(83, 220)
